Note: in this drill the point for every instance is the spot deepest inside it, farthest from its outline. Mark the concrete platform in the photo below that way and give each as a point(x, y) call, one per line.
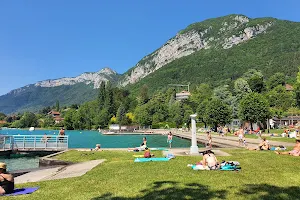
point(69, 171)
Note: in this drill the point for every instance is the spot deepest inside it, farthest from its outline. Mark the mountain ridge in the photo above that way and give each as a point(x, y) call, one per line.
point(190, 48)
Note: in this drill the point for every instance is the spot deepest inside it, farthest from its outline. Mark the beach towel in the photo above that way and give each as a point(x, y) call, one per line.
point(159, 149)
point(22, 191)
point(151, 159)
point(138, 156)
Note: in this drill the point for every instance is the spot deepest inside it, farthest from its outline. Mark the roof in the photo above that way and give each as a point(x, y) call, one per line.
point(52, 112)
point(183, 93)
point(3, 122)
point(287, 118)
point(288, 87)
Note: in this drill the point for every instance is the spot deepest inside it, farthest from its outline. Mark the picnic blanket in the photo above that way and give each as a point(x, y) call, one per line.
point(151, 159)
point(22, 191)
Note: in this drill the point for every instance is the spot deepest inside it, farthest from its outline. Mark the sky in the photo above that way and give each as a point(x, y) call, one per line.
point(51, 39)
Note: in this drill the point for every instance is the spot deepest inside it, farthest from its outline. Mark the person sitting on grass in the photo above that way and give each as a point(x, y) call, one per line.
point(147, 153)
point(294, 152)
point(209, 160)
point(142, 147)
point(6, 180)
point(98, 147)
point(264, 145)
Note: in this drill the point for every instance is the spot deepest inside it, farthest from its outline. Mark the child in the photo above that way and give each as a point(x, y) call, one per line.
point(170, 138)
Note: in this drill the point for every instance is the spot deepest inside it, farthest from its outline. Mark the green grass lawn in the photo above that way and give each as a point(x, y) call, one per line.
point(281, 139)
point(264, 175)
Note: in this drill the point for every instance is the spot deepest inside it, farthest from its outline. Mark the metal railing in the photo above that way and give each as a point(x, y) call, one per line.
point(34, 142)
point(6, 143)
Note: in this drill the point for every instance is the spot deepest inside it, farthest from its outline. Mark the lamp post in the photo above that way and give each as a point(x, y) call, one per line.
point(194, 148)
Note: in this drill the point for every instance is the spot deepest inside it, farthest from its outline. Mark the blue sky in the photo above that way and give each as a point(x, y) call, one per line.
point(63, 38)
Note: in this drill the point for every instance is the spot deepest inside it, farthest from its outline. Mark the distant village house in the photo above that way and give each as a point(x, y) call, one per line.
point(56, 116)
point(182, 95)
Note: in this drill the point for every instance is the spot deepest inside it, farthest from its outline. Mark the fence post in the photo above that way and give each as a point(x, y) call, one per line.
point(24, 142)
point(34, 143)
point(4, 141)
point(56, 142)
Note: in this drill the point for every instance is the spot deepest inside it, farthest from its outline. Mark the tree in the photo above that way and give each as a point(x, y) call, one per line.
point(256, 83)
point(57, 106)
point(254, 107)
point(101, 95)
point(279, 98)
point(217, 112)
point(201, 93)
point(142, 116)
point(48, 122)
point(2, 116)
point(176, 113)
point(28, 120)
point(109, 101)
point(223, 93)
point(69, 119)
point(241, 88)
point(143, 96)
point(201, 111)
point(275, 80)
point(45, 110)
point(121, 116)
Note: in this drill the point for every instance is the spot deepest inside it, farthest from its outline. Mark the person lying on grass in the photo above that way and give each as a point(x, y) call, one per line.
point(142, 147)
point(209, 160)
point(294, 152)
point(6, 180)
point(264, 145)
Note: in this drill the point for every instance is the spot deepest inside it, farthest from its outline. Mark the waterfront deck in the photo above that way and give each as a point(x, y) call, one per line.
point(33, 143)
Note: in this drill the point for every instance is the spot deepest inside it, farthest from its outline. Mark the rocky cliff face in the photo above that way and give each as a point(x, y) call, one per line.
point(233, 31)
point(106, 74)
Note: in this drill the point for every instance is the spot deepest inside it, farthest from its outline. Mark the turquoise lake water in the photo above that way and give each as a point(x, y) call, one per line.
point(88, 139)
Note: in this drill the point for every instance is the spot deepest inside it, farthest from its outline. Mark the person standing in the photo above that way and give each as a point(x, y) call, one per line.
point(170, 139)
point(209, 139)
point(241, 136)
point(61, 134)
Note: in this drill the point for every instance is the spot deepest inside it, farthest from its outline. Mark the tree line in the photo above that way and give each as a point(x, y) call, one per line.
point(249, 98)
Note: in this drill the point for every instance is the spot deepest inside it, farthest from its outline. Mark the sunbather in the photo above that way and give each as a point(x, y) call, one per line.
point(6, 180)
point(264, 145)
point(209, 160)
point(294, 152)
point(141, 148)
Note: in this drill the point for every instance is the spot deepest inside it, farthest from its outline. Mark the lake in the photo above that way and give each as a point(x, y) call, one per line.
point(88, 139)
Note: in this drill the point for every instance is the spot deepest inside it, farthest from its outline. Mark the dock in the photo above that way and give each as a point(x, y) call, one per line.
point(32, 143)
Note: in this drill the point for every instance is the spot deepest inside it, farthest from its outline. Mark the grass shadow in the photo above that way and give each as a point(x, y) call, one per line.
point(270, 192)
point(172, 190)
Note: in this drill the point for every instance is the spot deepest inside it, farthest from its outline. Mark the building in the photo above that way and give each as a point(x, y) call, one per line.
point(288, 87)
point(182, 95)
point(285, 121)
point(56, 116)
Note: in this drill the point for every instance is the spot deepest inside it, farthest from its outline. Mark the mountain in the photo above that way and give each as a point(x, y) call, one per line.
point(45, 93)
point(225, 32)
point(214, 51)
point(219, 50)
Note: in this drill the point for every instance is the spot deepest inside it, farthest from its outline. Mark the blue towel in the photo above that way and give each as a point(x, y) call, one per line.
point(22, 191)
point(150, 159)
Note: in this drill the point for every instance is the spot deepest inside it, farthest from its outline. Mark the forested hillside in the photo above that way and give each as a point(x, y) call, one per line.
point(277, 50)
